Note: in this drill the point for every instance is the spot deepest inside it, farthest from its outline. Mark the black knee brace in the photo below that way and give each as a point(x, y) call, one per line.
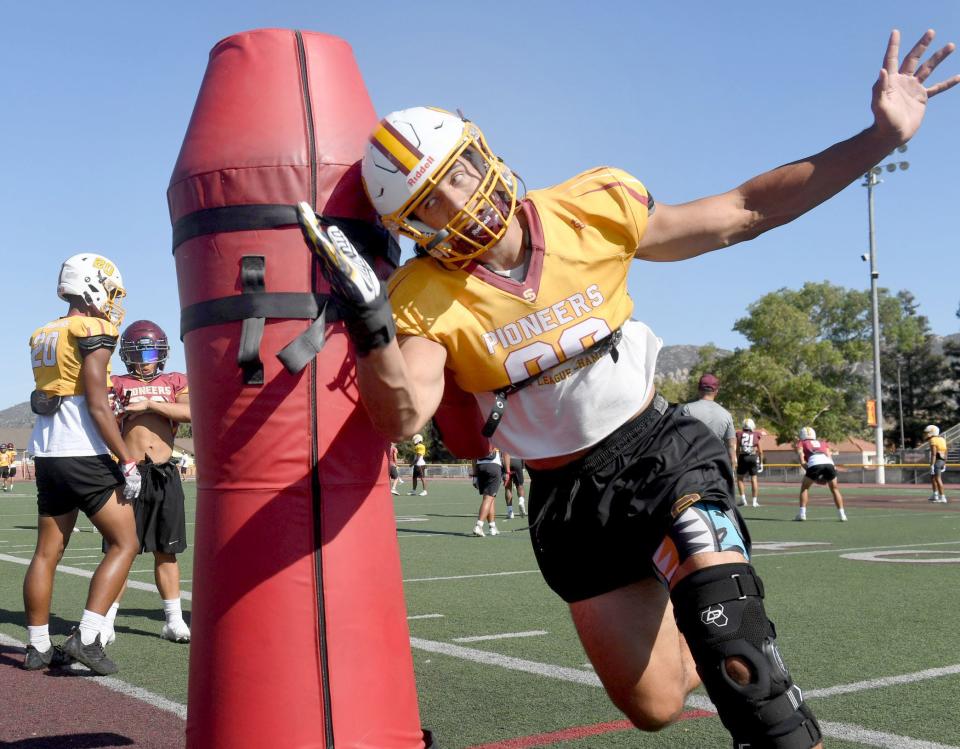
point(720, 612)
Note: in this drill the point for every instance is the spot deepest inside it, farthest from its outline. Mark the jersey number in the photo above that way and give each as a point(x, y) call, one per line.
point(44, 351)
point(539, 356)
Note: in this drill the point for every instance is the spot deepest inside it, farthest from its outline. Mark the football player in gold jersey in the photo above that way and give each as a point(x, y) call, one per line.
point(73, 436)
point(525, 301)
point(8, 465)
point(938, 461)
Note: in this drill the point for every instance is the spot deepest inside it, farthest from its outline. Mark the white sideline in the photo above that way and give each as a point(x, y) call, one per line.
point(138, 693)
point(460, 577)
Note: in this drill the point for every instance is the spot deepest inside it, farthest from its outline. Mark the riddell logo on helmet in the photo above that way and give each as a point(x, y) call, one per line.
point(421, 170)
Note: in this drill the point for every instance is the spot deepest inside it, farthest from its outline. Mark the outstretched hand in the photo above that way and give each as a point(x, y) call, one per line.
point(900, 94)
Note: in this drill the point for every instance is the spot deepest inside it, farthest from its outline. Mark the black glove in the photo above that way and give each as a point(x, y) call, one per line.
point(360, 297)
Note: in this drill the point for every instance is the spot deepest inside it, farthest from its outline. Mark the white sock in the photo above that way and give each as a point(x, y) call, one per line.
point(492, 524)
point(743, 498)
point(90, 625)
point(40, 637)
point(842, 513)
point(172, 610)
point(111, 615)
point(803, 512)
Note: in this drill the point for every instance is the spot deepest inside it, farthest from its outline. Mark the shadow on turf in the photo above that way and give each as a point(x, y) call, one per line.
point(72, 740)
point(58, 626)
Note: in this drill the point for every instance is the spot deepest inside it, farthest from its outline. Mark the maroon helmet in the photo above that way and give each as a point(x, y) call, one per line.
point(144, 342)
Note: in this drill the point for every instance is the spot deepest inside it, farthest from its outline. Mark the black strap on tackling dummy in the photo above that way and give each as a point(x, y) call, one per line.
point(255, 304)
point(602, 347)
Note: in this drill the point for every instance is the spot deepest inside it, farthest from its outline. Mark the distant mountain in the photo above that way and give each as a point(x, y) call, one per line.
point(675, 362)
point(17, 417)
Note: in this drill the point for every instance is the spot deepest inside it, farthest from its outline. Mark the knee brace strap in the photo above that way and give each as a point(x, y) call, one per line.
point(720, 611)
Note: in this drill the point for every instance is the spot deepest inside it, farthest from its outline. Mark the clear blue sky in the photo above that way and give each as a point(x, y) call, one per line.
point(692, 97)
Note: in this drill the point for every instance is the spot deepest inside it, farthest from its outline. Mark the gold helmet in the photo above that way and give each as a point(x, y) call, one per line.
point(406, 157)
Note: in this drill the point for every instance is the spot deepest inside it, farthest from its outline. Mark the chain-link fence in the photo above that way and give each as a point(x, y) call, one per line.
point(861, 473)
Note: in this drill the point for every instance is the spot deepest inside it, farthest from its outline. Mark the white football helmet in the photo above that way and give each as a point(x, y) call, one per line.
point(409, 153)
point(97, 281)
point(931, 431)
point(417, 439)
point(749, 424)
point(807, 433)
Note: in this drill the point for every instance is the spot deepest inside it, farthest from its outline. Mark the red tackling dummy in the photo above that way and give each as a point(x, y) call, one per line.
point(299, 627)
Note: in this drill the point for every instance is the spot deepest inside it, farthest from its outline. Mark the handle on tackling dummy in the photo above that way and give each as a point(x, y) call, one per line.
point(359, 294)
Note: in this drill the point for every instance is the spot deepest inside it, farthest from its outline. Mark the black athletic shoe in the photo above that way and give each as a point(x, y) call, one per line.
point(92, 656)
point(35, 660)
point(52, 658)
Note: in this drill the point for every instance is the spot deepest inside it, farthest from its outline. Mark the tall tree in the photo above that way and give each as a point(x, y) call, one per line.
point(909, 358)
point(810, 357)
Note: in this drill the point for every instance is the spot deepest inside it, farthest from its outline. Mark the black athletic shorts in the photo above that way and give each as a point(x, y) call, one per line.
point(394, 473)
point(5, 472)
point(159, 511)
point(822, 473)
point(418, 471)
point(516, 472)
point(748, 464)
point(76, 483)
point(596, 523)
point(13, 471)
point(488, 478)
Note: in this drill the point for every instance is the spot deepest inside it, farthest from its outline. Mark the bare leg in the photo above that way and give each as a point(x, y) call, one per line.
point(755, 486)
point(632, 640)
point(116, 524)
point(835, 491)
point(166, 573)
point(488, 509)
point(53, 535)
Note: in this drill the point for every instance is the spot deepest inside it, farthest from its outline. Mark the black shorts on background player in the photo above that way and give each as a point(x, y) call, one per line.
point(159, 510)
point(595, 523)
point(822, 473)
point(516, 472)
point(748, 464)
point(489, 476)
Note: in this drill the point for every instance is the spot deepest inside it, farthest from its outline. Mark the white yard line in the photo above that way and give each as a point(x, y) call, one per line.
point(503, 636)
point(860, 735)
point(857, 548)
point(67, 570)
point(138, 693)
point(426, 616)
point(465, 577)
point(833, 730)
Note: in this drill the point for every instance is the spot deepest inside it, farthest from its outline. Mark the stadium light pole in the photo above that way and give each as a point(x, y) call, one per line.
point(871, 180)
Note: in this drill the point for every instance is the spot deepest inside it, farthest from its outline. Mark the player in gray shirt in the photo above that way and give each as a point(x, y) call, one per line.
point(715, 416)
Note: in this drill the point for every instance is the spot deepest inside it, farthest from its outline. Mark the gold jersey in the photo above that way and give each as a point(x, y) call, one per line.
point(7, 458)
point(938, 447)
point(497, 330)
point(55, 352)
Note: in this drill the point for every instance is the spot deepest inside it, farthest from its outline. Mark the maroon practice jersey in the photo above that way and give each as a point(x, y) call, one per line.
point(747, 441)
point(813, 447)
point(163, 388)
